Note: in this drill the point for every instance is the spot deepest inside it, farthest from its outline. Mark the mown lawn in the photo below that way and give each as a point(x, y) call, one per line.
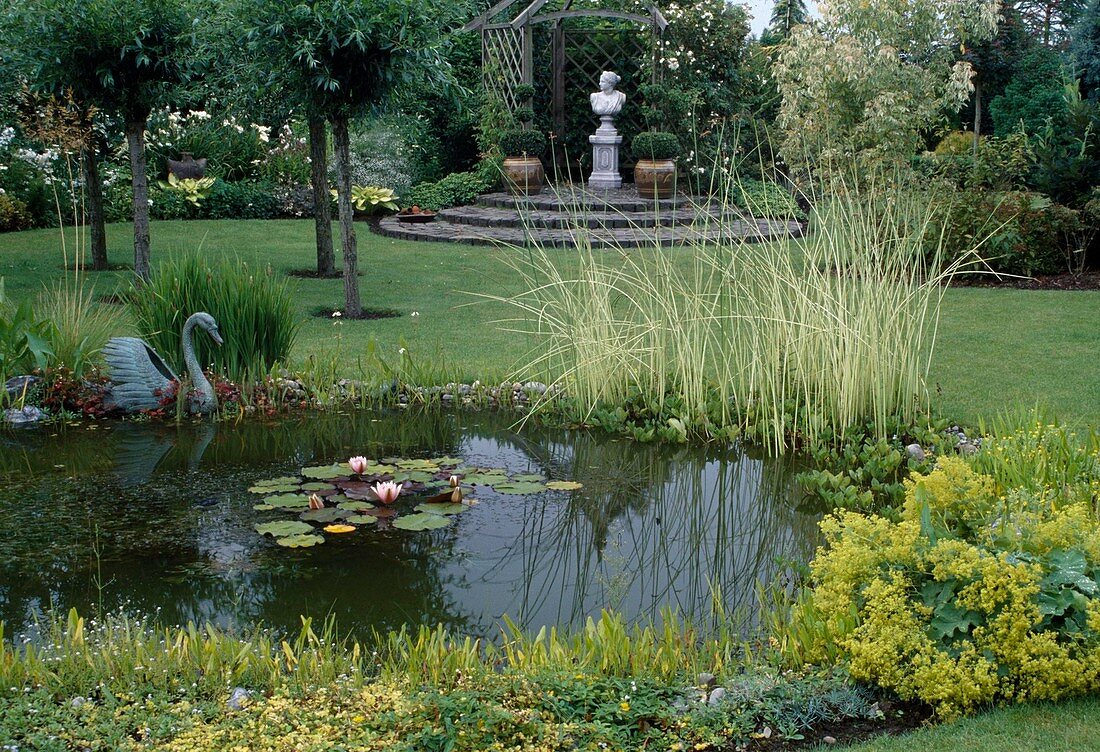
point(1072, 726)
point(997, 348)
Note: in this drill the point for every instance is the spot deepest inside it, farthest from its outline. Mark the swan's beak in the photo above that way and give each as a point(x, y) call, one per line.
point(216, 337)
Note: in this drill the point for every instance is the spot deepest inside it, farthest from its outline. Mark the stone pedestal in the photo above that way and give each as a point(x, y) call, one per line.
point(605, 156)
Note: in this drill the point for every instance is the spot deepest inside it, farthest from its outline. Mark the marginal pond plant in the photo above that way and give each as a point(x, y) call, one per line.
point(797, 338)
point(254, 308)
point(124, 683)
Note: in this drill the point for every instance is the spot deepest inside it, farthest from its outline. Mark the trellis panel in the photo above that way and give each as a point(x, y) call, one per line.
point(502, 62)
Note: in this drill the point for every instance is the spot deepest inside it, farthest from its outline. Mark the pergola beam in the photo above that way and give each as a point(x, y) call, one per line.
point(523, 18)
point(487, 16)
point(563, 14)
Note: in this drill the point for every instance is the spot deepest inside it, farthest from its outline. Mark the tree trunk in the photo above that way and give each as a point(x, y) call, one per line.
point(322, 205)
point(135, 135)
point(353, 308)
point(977, 116)
point(93, 190)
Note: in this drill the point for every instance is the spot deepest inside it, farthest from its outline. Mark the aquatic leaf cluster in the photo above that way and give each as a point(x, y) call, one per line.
point(433, 492)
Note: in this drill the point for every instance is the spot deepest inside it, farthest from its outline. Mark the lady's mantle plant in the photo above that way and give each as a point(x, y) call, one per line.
point(983, 591)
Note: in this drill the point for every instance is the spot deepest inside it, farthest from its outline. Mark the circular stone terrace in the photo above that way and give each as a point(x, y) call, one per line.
point(571, 216)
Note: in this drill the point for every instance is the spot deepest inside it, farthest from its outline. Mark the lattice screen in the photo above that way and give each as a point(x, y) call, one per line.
point(587, 53)
point(502, 62)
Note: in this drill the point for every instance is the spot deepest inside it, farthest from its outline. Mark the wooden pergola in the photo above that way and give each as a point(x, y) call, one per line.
point(507, 43)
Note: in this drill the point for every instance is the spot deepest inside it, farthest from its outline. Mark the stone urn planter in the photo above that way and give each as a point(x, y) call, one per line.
point(187, 167)
point(655, 178)
point(524, 174)
point(655, 170)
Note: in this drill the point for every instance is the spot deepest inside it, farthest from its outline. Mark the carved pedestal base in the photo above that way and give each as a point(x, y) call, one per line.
point(605, 156)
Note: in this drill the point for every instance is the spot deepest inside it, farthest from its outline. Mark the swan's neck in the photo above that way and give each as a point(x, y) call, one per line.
point(199, 382)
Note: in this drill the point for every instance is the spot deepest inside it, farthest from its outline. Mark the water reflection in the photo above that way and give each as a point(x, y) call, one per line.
point(155, 517)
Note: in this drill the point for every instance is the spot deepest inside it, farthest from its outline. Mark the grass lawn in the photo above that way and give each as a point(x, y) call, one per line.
point(1072, 726)
point(997, 349)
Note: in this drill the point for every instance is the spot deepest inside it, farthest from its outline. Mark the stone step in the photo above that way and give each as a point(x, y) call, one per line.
point(491, 216)
point(626, 237)
point(570, 198)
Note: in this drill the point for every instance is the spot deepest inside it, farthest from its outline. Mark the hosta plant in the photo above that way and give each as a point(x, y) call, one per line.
point(193, 190)
point(371, 198)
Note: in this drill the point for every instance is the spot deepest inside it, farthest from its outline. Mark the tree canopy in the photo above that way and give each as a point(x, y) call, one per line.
point(872, 76)
point(1085, 50)
point(786, 14)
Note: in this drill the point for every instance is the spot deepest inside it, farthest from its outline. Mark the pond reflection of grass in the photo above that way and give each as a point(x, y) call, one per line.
point(657, 528)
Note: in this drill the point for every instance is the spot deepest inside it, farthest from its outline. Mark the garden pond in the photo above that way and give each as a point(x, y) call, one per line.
point(160, 519)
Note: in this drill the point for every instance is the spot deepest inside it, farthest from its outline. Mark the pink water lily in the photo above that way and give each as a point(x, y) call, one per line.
point(316, 502)
point(387, 492)
point(358, 465)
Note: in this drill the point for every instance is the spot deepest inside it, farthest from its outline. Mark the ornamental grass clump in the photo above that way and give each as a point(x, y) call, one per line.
point(980, 592)
point(253, 309)
point(794, 339)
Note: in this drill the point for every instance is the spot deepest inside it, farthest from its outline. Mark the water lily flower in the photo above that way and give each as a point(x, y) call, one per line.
point(316, 502)
point(387, 492)
point(358, 465)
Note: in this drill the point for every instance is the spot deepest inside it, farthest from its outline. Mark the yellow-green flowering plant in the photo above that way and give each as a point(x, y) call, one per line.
point(979, 593)
point(193, 190)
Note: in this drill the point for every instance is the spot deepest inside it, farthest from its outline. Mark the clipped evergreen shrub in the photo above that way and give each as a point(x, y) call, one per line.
point(517, 143)
point(655, 145)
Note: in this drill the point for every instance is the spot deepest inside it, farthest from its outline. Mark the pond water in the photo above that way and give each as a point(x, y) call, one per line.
point(158, 519)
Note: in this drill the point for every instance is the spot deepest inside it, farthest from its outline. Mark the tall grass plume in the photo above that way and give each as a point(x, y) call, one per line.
point(796, 338)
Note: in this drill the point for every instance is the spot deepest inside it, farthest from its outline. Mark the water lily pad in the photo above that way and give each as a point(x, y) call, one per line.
point(262, 507)
point(325, 472)
point(362, 519)
point(447, 461)
point(527, 478)
point(340, 528)
point(564, 485)
point(283, 528)
point(317, 486)
point(324, 516)
point(281, 481)
point(414, 476)
point(282, 488)
point(446, 509)
point(519, 489)
point(288, 501)
point(485, 479)
point(301, 541)
point(421, 521)
point(355, 506)
point(417, 465)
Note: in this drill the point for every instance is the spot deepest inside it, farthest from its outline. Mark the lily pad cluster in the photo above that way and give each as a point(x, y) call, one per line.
point(429, 499)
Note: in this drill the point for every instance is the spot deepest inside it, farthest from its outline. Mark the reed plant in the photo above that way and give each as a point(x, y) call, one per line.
point(253, 308)
point(81, 324)
point(794, 339)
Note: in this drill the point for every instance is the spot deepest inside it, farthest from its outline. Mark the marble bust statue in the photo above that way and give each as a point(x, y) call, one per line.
point(607, 102)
